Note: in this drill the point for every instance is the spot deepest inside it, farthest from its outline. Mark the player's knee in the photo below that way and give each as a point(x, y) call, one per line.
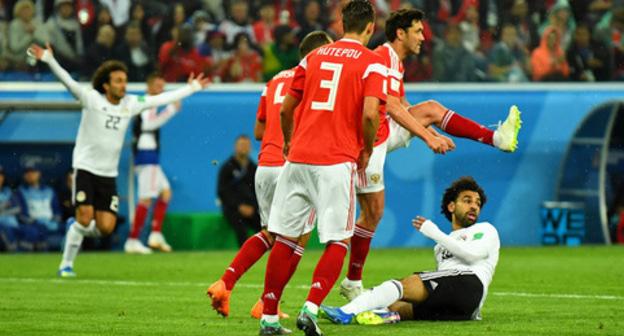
point(146, 202)
point(84, 215)
point(413, 289)
point(270, 237)
point(166, 195)
point(106, 228)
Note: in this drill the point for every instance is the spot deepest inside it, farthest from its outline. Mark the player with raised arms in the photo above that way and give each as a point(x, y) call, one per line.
point(106, 113)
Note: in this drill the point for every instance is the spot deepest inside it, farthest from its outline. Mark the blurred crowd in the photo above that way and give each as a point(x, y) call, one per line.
point(250, 41)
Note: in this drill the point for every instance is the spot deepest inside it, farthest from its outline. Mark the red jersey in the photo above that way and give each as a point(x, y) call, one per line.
point(331, 83)
point(395, 87)
point(271, 152)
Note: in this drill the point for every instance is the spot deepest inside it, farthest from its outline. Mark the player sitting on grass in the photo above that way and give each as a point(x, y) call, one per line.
point(466, 261)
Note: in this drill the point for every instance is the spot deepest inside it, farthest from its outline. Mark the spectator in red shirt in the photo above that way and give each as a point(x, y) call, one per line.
point(245, 64)
point(179, 58)
point(263, 28)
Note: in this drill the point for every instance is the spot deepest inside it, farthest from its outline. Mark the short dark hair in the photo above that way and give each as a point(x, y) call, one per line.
point(312, 41)
point(451, 193)
point(402, 19)
point(153, 75)
point(243, 137)
point(356, 15)
point(102, 74)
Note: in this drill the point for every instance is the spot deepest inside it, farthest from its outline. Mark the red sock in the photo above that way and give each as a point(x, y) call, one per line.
point(252, 250)
point(159, 215)
point(360, 245)
point(276, 275)
point(294, 260)
point(327, 272)
point(139, 220)
point(620, 229)
point(459, 126)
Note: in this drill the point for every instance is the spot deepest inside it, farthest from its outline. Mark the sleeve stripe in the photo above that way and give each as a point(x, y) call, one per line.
point(395, 73)
point(376, 67)
point(264, 90)
point(304, 63)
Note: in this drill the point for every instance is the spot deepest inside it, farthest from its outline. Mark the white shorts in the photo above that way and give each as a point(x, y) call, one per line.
point(399, 137)
point(265, 183)
point(151, 180)
point(328, 189)
point(373, 178)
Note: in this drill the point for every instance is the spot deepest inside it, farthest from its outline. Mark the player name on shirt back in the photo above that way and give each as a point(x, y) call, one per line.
point(339, 52)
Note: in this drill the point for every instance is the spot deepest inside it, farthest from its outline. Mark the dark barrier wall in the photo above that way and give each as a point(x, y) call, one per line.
point(197, 140)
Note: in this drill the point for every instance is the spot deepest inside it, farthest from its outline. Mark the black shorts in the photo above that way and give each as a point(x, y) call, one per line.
point(453, 295)
point(97, 191)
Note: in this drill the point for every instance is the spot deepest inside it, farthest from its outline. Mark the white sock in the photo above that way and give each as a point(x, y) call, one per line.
point(270, 318)
point(352, 283)
point(381, 296)
point(496, 140)
point(89, 231)
point(73, 240)
point(312, 307)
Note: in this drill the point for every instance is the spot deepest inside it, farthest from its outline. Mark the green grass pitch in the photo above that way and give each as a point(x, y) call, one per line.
point(536, 291)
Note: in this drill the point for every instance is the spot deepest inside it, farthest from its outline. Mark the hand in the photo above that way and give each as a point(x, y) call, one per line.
point(203, 81)
point(363, 159)
point(37, 52)
point(177, 105)
point(437, 145)
point(286, 149)
point(449, 142)
point(418, 222)
point(246, 210)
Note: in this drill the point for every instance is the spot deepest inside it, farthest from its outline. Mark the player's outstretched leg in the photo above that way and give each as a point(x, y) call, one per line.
point(504, 138)
point(251, 251)
point(506, 135)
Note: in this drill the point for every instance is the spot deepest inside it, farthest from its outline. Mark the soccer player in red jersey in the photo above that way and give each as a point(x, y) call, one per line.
point(404, 30)
point(270, 162)
point(337, 90)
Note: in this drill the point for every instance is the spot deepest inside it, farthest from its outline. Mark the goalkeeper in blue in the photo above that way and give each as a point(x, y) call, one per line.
point(466, 260)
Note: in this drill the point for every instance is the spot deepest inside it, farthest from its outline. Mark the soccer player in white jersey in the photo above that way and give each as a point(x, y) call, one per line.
point(106, 113)
point(404, 31)
point(152, 181)
point(466, 260)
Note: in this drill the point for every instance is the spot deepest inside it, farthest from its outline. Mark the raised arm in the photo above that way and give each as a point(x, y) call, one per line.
point(46, 56)
point(156, 120)
point(194, 85)
point(461, 249)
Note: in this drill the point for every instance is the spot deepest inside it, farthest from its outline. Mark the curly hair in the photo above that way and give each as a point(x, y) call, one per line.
point(402, 19)
point(102, 74)
point(451, 193)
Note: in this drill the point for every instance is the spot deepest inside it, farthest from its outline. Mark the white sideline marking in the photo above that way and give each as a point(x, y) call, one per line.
point(131, 283)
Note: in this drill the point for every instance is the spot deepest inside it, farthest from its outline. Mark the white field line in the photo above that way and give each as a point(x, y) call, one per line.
point(132, 283)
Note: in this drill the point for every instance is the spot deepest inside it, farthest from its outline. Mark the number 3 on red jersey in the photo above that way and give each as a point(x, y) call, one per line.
point(331, 85)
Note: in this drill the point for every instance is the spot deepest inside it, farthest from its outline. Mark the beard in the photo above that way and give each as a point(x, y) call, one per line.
point(466, 221)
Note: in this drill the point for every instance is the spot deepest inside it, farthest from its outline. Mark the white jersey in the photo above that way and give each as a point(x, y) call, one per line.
point(103, 125)
point(152, 120)
point(481, 240)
